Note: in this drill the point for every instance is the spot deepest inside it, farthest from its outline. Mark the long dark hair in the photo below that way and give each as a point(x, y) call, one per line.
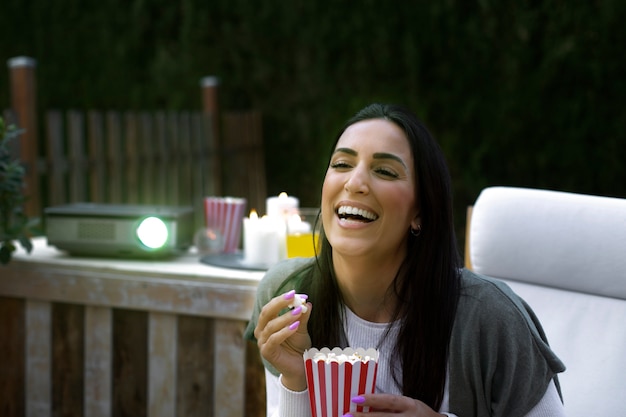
point(427, 284)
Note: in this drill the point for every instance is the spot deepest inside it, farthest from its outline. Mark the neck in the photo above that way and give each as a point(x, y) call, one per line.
point(366, 286)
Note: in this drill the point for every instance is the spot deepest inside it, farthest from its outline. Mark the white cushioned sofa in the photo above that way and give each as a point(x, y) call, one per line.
point(565, 254)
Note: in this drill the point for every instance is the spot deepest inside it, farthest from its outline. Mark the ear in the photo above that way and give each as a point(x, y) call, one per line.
point(416, 222)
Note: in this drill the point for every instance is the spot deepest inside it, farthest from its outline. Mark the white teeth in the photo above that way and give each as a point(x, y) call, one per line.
point(354, 211)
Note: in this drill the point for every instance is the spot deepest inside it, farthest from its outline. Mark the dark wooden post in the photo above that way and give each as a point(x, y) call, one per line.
point(210, 107)
point(24, 104)
point(210, 103)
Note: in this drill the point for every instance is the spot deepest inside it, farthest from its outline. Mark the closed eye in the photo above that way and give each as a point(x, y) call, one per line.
point(340, 165)
point(386, 173)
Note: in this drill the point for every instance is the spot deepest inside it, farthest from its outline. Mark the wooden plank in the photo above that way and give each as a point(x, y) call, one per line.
point(38, 359)
point(256, 402)
point(200, 174)
point(231, 147)
point(248, 155)
point(254, 155)
point(206, 162)
point(114, 157)
point(229, 376)
point(211, 113)
point(97, 163)
point(211, 146)
point(148, 156)
point(56, 160)
point(130, 371)
point(98, 361)
point(161, 192)
point(242, 147)
point(77, 157)
point(173, 155)
point(150, 292)
point(185, 159)
point(131, 151)
point(194, 379)
point(162, 365)
point(67, 359)
point(12, 343)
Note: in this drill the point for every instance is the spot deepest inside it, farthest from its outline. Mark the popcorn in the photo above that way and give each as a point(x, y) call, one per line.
point(335, 376)
point(299, 300)
point(341, 357)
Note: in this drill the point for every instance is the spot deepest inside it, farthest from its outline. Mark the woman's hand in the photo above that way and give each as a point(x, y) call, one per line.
point(282, 339)
point(389, 404)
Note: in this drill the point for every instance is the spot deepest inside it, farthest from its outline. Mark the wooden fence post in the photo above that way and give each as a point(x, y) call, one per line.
point(23, 102)
point(210, 107)
point(210, 102)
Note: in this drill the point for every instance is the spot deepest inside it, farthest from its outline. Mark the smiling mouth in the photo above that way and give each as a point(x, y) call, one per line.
point(356, 214)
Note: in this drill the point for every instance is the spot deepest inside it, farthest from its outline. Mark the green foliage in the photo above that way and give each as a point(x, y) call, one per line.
point(14, 224)
point(518, 93)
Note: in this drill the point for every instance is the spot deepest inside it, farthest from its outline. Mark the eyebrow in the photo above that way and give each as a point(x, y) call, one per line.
point(377, 155)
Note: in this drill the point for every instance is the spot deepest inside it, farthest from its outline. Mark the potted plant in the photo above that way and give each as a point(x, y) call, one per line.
point(14, 223)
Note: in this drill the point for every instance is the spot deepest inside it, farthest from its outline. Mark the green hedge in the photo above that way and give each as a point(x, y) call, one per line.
point(518, 93)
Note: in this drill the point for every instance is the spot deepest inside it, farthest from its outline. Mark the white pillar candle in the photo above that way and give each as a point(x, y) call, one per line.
point(264, 240)
point(281, 206)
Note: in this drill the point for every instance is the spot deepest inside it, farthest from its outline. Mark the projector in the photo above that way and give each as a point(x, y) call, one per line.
point(119, 230)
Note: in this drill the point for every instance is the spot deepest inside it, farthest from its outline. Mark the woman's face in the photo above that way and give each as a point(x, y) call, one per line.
point(368, 195)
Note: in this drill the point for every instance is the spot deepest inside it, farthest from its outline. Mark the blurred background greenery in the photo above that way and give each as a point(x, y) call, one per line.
point(522, 93)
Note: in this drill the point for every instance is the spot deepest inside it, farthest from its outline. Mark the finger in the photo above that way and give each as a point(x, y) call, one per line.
point(295, 319)
point(286, 321)
point(276, 305)
point(272, 310)
point(384, 402)
point(271, 349)
point(277, 338)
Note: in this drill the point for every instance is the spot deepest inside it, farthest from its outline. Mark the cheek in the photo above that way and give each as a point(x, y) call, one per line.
point(404, 201)
point(329, 187)
point(327, 208)
point(325, 186)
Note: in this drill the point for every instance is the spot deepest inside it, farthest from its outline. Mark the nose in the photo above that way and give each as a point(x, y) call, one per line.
point(357, 182)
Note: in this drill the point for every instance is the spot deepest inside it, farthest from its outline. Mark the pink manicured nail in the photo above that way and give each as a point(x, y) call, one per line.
point(358, 399)
point(347, 415)
point(296, 311)
point(289, 295)
point(294, 325)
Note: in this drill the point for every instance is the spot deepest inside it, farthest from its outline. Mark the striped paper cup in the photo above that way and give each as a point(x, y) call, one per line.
point(225, 214)
point(335, 376)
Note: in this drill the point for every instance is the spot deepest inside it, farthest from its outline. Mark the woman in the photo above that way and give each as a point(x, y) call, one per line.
point(389, 276)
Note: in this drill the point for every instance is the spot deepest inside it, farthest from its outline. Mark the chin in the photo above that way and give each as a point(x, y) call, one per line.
point(350, 247)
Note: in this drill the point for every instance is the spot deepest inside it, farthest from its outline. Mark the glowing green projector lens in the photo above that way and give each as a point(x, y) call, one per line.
point(152, 232)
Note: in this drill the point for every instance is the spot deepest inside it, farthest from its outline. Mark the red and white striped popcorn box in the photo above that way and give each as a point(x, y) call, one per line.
point(225, 214)
point(335, 376)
